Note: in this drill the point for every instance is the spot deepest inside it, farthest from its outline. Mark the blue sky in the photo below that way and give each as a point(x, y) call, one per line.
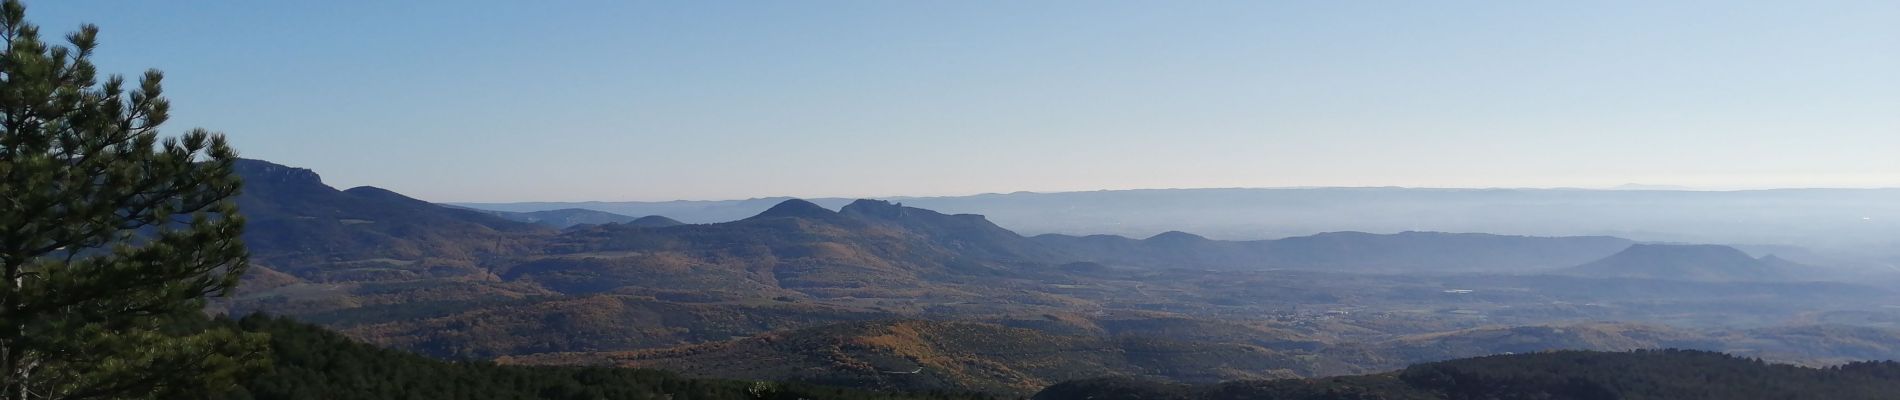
point(622, 100)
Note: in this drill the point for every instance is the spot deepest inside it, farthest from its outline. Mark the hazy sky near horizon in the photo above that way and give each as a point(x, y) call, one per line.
point(623, 100)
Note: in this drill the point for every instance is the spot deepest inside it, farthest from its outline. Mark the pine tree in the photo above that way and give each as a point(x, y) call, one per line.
point(109, 235)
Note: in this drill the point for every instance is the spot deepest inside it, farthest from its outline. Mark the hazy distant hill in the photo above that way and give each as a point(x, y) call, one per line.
point(565, 217)
point(1689, 262)
point(1344, 251)
point(1834, 219)
point(870, 245)
point(687, 211)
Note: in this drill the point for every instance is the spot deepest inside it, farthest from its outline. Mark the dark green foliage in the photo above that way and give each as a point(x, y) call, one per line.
point(313, 363)
point(108, 233)
point(1563, 375)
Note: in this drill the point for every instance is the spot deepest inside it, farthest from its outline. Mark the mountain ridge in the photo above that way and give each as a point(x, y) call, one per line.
point(1830, 220)
point(295, 221)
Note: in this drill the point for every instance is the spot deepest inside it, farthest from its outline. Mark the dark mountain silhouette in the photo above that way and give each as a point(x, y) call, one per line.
point(795, 208)
point(1688, 262)
point(300, 226)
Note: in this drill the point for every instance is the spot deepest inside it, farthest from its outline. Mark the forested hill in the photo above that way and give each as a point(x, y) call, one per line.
point(1564, 375)
point(309, 362)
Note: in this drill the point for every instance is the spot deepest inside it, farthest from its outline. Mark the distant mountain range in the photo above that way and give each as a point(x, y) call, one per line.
point(1411, 252)
point(879, 284)
point(307, 229)
point(1861, 224)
